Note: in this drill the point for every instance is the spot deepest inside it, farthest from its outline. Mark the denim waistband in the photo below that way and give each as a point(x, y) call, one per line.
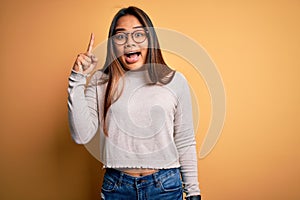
point(154, 178)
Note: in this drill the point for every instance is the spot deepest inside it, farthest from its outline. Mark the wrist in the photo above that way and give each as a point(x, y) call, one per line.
point(197, 197)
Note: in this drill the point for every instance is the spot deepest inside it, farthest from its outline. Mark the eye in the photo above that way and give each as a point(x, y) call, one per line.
point(120, 36)
point(139, 34)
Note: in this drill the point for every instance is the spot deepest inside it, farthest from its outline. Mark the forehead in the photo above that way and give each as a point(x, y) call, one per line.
point(128, 22)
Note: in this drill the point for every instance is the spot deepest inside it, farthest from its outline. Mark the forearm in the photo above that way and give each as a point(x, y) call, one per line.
point(82, 109)
point(189, 170)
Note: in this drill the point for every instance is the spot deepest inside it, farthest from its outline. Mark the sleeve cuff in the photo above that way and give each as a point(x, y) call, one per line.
point(77, 75)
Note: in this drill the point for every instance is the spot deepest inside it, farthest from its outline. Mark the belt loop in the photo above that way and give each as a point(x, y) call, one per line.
point(156, 179)
point(120, 178)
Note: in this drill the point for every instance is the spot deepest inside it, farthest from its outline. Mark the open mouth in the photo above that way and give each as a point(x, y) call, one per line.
point(132, 54)
point(132, 57)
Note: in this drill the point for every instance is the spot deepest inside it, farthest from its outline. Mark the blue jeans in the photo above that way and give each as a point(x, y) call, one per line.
point(162, 185)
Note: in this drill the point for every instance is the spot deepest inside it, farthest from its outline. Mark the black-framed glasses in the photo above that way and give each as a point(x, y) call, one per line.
point(137, 36)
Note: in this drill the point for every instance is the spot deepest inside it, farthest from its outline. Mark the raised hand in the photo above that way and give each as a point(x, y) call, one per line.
point(86, 62)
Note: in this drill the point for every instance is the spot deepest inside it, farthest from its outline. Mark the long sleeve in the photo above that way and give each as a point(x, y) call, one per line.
point(185, 140)
point(82, 108)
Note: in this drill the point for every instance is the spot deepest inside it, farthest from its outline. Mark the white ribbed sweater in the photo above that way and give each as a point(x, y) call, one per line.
point(149, 126)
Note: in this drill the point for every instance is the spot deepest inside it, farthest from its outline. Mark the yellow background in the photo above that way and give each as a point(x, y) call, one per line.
point(255, 44)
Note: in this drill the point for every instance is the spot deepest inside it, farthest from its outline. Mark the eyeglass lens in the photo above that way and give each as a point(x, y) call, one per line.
point(138, 36)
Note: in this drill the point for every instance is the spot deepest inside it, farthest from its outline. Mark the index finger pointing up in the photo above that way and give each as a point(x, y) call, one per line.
point(91, 43)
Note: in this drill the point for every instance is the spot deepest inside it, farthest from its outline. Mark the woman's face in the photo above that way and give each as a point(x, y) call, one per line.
point(132, 52)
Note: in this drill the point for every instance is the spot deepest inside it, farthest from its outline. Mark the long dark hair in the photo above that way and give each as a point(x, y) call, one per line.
point(159, 72)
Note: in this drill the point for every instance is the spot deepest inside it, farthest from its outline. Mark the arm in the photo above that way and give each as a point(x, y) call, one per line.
point(82, 108)
point(82, 101)
point(185, 140)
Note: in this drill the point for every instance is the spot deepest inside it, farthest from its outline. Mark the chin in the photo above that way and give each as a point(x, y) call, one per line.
point(133, 67)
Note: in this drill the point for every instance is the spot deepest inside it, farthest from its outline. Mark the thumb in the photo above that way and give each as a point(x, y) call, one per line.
point(94, 58)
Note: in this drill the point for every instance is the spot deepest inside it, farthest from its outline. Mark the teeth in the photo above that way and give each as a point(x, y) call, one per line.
point(131, 53)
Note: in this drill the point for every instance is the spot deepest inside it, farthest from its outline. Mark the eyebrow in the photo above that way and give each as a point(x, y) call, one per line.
point(123, 29)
